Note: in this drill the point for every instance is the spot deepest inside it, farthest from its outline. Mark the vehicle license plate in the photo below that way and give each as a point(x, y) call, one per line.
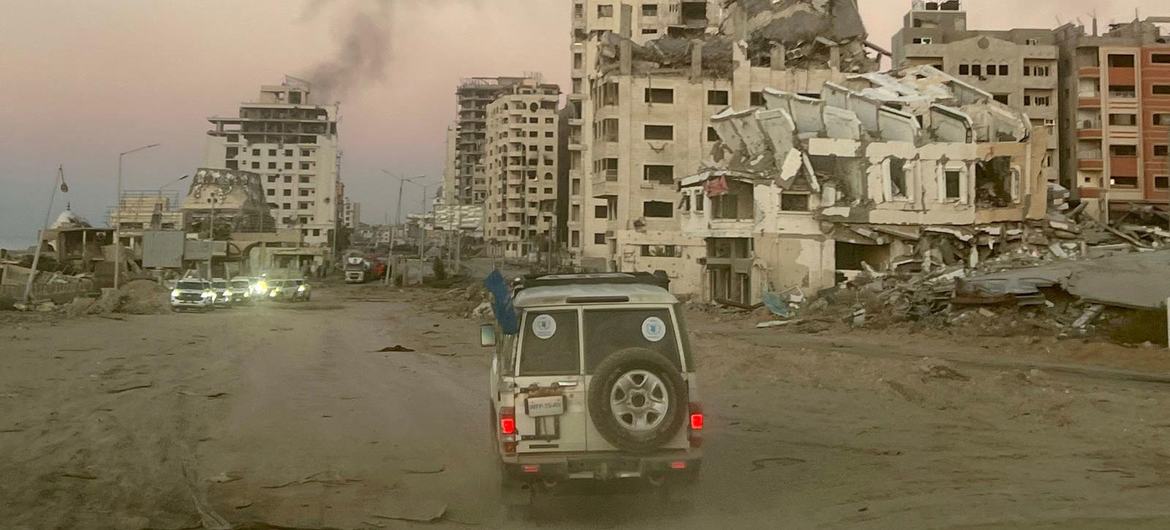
point(545, 406)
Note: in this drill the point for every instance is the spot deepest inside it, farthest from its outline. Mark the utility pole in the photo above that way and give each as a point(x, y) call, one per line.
point(117, 220)
point(41, 233)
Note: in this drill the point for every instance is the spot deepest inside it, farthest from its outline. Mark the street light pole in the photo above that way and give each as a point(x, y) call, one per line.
point(117, 220)
point(41, 234)
point(397, 221)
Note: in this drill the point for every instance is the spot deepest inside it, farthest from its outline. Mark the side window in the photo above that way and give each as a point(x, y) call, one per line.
point(551, 343)
point(608, 331)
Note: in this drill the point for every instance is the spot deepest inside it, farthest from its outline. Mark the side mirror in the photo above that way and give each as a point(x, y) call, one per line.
point(487, 335)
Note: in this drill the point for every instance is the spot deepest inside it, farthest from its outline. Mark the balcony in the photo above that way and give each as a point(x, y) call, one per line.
point(1089, 102)
point(1091, 164)
point(1090, 133)
point(605, 187)
point(1089, 72)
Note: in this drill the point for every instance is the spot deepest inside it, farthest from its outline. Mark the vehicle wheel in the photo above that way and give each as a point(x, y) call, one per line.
point(637, 400)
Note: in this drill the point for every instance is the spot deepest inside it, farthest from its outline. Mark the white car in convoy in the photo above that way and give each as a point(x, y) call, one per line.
point(192, 294)
point(598, 385)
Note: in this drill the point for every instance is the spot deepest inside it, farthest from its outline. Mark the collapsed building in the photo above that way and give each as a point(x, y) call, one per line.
point(904, 171)
point(650, 109)
point(228, 197)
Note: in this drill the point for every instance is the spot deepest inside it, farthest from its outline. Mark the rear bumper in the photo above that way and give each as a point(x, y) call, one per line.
point(673, 466)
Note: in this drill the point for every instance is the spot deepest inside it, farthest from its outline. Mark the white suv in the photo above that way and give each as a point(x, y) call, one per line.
point(598, 384)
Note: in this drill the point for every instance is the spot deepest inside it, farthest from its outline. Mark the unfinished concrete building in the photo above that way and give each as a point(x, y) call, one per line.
point(1115, 118)
point(1017, 66)
point(641, 21)
point(292, 142)
point(901, 171)
point(651, 108)
point(141, 210)
point(521, 170)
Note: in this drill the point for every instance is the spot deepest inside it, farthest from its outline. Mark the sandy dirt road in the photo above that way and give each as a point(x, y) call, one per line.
point(288, 417)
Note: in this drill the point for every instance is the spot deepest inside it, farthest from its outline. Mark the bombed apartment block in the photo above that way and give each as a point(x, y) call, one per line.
point(467, 166)
point(521, 169)
point(291, 141)
point(650, 111)
point(907, 170)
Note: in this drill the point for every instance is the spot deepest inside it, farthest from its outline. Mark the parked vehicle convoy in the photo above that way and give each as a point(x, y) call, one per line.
point(192, 294)
point(241, 290)
point(223, 292)
point(597, 384)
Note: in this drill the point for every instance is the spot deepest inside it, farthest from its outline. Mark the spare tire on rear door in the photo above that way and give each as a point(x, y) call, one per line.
point(637, 399)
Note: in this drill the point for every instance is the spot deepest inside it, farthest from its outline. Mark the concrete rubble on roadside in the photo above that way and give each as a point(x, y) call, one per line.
point(1069, 275)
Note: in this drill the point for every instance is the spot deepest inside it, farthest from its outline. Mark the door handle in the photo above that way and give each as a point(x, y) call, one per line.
point(565, 384)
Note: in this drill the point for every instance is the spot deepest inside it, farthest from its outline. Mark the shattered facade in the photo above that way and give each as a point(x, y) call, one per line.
point(906, 170)
point(651, 107)
point(521, 169)
point(292, 142)
point(1115, 119)
point(1018, 67)
point(235, 198)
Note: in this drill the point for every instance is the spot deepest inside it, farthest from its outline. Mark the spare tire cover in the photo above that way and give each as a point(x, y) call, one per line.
point(637, 400)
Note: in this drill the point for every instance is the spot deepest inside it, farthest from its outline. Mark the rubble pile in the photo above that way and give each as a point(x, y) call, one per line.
point(464, 302)
point(1069, 275)
point(143, 297)
point(805, 30)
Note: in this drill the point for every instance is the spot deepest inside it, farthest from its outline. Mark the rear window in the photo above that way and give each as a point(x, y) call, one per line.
point(551, 344)
point(612, 330)
point(240, 284)
point(190, 286)
point(219, 285)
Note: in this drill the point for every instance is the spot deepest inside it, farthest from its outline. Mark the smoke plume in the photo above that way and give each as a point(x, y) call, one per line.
point(364, 53)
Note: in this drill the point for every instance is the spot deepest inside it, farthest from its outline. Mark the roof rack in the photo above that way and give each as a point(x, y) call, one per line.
point(657, 278)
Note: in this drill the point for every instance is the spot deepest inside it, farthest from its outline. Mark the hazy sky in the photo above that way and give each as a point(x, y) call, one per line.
point(82, 80)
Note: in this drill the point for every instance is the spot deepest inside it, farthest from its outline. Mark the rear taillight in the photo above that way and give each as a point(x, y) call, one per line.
point(695, 433)
point(507, 420)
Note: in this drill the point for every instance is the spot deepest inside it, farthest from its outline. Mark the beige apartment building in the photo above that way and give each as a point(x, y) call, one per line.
point(521, 169)
point(351, 214)
point(641, 21)
point(292, 142)
point(468, 183)
point(1017, 66)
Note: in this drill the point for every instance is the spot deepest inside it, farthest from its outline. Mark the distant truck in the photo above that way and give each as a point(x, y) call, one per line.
point(357, 269)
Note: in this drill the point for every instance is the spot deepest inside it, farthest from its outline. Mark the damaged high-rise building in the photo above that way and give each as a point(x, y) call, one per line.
point(467, 181)
point(900, 171)
point(641, 21)
point(647, 116)
point(291, 141)
point(521, 170)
